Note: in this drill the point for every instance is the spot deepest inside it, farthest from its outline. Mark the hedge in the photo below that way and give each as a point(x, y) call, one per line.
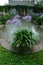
point(8, 7)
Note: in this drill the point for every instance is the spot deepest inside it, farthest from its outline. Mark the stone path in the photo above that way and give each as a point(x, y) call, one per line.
point(39, 46)
point(5, 43)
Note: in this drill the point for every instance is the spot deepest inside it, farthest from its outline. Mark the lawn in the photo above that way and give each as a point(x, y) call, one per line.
point(10, 58)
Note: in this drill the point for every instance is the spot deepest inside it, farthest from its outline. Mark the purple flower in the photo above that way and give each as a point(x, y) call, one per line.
point(8, 21)
point(17, 17)
point(28, 17)
point(18, 23)
point(15, 20)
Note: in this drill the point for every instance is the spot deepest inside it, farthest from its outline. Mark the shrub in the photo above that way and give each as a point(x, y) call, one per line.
point(39, 20)
point(24, 41)
point(4, 18)
point(9, 16)
point(34, 17)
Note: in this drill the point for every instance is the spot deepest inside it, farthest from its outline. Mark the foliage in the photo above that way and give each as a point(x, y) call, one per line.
point(39, 20)
point(9, 16)
point(28, 17)
point(6, 8)
point(4, 18)
point(24, 40)
point(35, 8)
point(34, 17)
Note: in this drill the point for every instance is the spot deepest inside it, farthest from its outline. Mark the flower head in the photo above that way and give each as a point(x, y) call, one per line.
point(28, 17)
point(17, 17)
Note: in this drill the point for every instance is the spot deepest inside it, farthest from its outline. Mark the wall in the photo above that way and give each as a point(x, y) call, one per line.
point(30, 3)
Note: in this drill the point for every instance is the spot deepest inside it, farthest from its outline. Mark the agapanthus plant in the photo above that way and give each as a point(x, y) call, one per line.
point(24, 41)
point(15, 20)
point(28, 17)
point(17, 16)
point(18, 22)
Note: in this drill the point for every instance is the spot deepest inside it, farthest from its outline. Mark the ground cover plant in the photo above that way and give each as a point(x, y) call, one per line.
point(9, 58)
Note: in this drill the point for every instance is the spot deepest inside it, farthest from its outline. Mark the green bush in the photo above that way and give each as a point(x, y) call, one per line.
point(9, 16)
point(39, 20)
point(4, 18)
point(24, 41)
point(34, 17)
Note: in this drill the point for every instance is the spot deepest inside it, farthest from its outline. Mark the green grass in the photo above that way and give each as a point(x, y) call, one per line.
point(9, 58)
